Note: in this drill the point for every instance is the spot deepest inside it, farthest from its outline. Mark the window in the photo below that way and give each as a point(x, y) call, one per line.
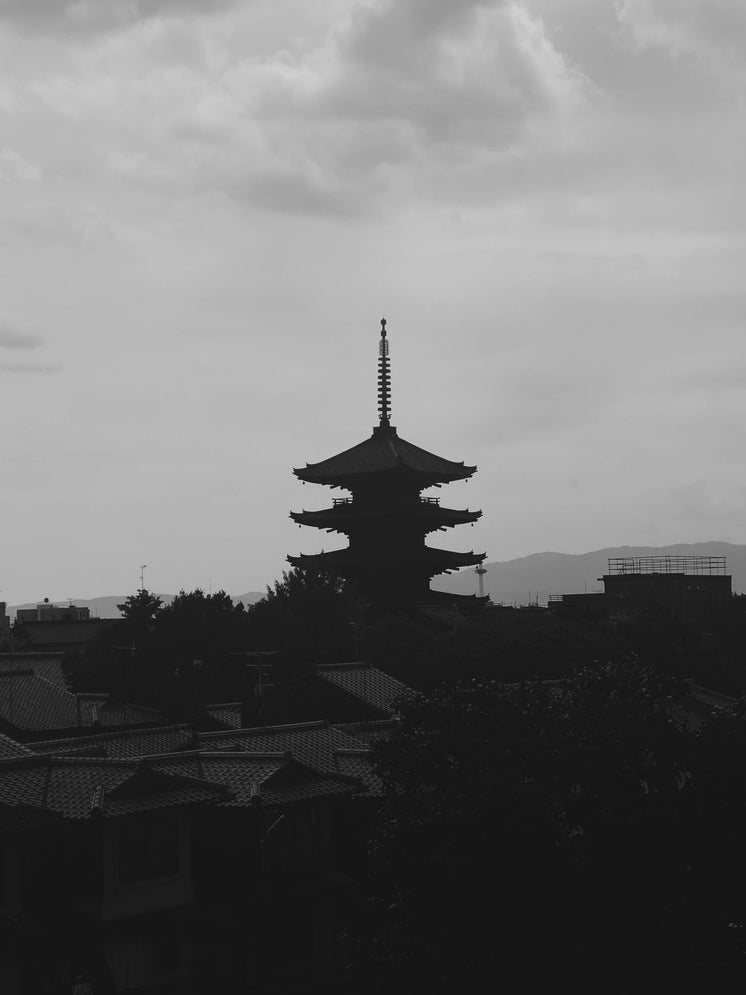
point(147, 851)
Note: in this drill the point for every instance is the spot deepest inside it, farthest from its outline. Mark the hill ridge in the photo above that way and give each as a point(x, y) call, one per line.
point(538, 575)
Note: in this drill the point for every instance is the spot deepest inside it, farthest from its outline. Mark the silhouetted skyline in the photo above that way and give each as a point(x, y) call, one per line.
point(205, 210)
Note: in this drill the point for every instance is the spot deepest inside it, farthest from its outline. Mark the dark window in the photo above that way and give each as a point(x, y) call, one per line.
point(148, 850)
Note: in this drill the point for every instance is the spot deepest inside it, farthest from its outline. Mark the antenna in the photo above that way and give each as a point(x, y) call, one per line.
point(384, 378)
point(142, 577)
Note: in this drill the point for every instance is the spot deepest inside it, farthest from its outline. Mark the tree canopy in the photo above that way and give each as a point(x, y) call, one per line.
point(577, 833)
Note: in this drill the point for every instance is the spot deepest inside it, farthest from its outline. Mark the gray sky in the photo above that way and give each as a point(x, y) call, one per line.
point(205, 208)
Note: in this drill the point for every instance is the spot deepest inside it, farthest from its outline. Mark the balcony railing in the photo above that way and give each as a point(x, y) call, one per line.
point(429, 500)
point(338, 501)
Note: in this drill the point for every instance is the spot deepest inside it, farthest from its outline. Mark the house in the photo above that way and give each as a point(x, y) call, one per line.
point(199, 870)
point(336, 693)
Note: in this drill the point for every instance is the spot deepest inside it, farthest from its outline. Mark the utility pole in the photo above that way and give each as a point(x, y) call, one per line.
point(142, 577)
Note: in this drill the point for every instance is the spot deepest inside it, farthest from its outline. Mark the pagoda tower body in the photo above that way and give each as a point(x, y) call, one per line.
point(386, 520)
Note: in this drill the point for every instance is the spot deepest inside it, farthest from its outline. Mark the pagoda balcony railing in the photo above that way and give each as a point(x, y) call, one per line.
point(343, 502)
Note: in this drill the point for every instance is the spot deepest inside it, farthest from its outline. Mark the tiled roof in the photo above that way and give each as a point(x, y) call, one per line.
point(79, 789)
point(45, 665)
point(369, 684)
point(121, 745)
point(228, 714)
point(99, 708)
point(9, 748)
point(271, 778)
point(384, 450)
point(31, 704)
point(327, 749)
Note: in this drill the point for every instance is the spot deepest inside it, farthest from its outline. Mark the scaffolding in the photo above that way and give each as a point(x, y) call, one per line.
point(696, 565)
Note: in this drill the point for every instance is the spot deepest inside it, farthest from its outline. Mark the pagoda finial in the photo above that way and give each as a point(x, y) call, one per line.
point(384, 378)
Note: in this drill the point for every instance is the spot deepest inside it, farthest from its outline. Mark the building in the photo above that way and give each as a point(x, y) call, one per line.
point(385, 517)
point(55, 628)
point(194, 871)
point(45, 611)
point(677, 584)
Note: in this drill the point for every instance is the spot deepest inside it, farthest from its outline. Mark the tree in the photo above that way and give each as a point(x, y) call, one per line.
point(557, 834)
point(175, 657)
point(307, 615)
point(140, 610)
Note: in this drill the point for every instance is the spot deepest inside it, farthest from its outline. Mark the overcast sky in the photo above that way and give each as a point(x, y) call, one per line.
point(206, 207)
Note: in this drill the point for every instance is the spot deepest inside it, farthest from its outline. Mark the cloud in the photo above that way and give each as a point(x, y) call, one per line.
point(14, 167)
point(90, 16)
point(713, 31)
point(30, 367)
point(12, 337)
point(405, 99)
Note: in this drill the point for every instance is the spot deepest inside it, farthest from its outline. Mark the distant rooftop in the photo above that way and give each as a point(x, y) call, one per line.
point(699, 565)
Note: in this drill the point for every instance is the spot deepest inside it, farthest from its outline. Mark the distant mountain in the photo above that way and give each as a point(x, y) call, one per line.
point(541, 574)
point(106, 607)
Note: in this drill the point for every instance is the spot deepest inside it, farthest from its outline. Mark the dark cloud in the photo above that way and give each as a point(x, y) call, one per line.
point(90, 16)
point(18, 338)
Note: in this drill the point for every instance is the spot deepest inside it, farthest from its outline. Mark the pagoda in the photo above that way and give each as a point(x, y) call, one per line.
point(385, 517)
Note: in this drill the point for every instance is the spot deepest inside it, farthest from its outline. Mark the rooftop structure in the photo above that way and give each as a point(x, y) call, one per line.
point(691, 565)
point(45, 611)
point(386, 519)
point(676, 584)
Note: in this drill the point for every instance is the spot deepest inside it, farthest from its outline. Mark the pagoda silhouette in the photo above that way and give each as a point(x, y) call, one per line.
point(386, 520)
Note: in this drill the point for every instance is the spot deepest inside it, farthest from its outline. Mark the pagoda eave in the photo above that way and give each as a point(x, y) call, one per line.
point(345, 518)
point(351, 480)
point(429, 559)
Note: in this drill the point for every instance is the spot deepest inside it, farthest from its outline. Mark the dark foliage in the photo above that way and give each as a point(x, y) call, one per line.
point(568, 835)
point(174, 658)
point(307, 616)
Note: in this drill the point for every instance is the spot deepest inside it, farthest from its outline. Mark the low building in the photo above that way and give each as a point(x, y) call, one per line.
point(679, 585)
point(46, 611)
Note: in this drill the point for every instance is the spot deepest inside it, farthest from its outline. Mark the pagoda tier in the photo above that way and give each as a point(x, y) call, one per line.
point(354, 565)
point(346, 516)
point(384, 453)
point(386, 519)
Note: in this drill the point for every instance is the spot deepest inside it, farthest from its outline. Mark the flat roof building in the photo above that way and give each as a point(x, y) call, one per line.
point(677, 584)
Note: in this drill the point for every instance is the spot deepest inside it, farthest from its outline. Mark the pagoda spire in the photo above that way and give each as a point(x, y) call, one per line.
point(384, 379)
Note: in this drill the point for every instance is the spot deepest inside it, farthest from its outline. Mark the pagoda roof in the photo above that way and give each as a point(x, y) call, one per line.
point(434, 560)
point(344, 517)
point(383, 452)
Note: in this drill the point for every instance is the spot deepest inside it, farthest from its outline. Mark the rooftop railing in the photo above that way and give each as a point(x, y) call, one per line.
point(621, 565)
